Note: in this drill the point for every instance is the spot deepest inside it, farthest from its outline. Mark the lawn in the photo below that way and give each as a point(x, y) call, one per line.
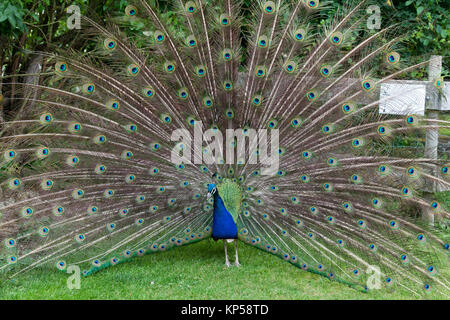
point(193, 272)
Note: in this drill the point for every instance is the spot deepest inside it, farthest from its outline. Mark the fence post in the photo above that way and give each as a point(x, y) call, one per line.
point(432, 105)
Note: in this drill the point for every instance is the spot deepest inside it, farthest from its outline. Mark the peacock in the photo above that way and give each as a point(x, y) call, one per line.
point(252, 126)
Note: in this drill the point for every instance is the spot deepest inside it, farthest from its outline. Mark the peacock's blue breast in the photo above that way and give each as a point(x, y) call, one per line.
point(224, 226)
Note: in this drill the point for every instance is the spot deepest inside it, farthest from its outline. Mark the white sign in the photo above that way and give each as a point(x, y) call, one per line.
point(402, 99)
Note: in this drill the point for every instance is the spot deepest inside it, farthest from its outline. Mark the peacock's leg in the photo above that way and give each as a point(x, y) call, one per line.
point(236, 263)
point(227, 262)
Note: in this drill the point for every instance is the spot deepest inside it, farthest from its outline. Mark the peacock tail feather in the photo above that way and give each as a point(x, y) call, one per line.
point(87, 176)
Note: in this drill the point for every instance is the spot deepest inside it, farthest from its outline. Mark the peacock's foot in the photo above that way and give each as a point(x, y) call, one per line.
point(227, 264)
point(237, 264)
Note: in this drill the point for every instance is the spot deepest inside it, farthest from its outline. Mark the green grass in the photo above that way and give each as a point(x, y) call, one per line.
point(193, 272)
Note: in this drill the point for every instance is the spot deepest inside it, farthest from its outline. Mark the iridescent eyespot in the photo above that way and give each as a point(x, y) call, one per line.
point(75, 127)
point(58, 211)
point(377, 203)
point(306, 154)
point(72, 160)
point(165, 118)
point(357, 179)
point(77, 194)
point(290, 66)
point(269, 7)
point(228, 85)
point(336, 38)
point(312, 95)
point(130, 178)
point(444, 170)
point(191, 41)
point(131, 11)
point(12, 259)
point(99, 139)
point(227, 54)
point(207, 102)
point(404, 258)
point(14, 183)
point(110, 44)
point(304, 178)
point(394, 224)
point(229, 113)
point(133, 70)
point(347, 206)
point(326, 70)
point(225, 20)
point(257, 100)
point(47, 184)
point(412, 172)
point(368, 85)
point(358, 142)
point(169, 67)
point(260, 71)
point(327, 186)
point(123, 212)
point(263, 41)
point(383, 169)
point(9, 155)
point(348, 107)
point(296, 122)
point(272, 124)
point(80, 238)
point(412, 120)
point(46, 118)
point(61, 265)
point(126, 155)
point(190, 7)
point(100, 169)
point(432, 270)
point(383, 130)
point(160, 189)
point(159, 36)
point(108, 193)
point(200, 71)
point(439, 83)
point(421, 238)
point(406, 192)
point(328, 128)
point(155, 146)
point(392, 58)
point(183, 94)
point(299, 35)
point(113, 105)
point(139, 221)
point(312, 4)
point(332, 162)
point(148, 92)
point(89, 88)
point(314, 210)
point(61, 67)
point(10, 243)
point(43, 231)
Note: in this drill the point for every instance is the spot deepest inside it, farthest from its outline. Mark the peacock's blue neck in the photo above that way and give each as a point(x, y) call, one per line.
point(224, 226)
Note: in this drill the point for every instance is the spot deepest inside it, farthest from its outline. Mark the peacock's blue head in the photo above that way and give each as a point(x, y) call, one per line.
point(211, 187)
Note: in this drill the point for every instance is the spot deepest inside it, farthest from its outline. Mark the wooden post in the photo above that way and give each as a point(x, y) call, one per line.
point(432, 105)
